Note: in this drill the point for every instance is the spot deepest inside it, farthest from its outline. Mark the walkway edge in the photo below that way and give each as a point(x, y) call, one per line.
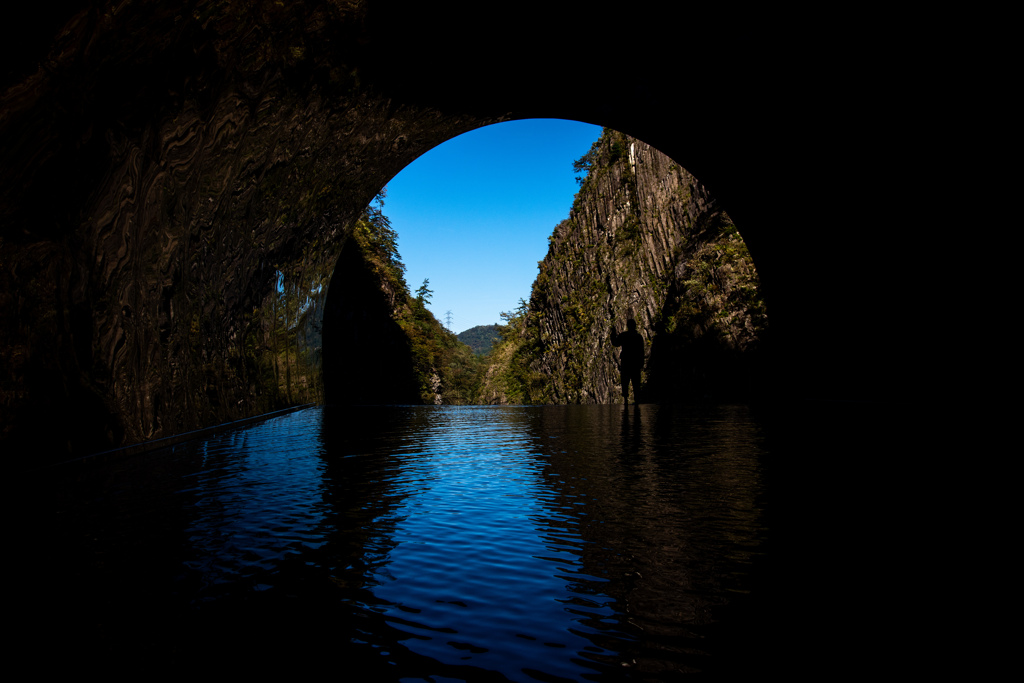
point(146, 446)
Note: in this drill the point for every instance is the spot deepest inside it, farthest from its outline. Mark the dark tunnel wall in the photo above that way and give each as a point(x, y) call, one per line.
point(158, 161)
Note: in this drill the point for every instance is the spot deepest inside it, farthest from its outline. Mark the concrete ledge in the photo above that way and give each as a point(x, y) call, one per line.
point(146, 446)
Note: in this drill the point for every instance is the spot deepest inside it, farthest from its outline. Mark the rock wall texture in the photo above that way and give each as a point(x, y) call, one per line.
point(159, 170)
point(644, 240)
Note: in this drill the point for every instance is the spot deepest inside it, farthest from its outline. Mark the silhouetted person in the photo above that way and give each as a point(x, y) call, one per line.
point(631, 358)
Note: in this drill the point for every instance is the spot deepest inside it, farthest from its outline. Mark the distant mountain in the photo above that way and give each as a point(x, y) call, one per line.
point(480, 338)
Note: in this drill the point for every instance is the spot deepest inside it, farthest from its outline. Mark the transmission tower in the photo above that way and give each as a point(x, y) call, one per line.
point(448, 320)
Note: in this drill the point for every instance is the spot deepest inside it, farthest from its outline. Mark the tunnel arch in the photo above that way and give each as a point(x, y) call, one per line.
point(136, 219)
point(817, 130)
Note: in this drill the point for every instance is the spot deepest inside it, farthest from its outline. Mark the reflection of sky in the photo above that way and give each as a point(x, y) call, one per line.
point(259, 497)
point(466, 530)
point(476, 581)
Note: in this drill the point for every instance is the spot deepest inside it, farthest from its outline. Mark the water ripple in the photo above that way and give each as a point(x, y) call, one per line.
point(530, 543)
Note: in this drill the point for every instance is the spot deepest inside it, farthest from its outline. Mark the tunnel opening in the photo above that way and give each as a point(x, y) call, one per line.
point(641, 239)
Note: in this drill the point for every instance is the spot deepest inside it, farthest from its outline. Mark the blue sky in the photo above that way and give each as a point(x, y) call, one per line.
point(473, 214)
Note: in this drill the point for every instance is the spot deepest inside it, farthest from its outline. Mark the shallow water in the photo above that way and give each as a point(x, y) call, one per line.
point(422, 543)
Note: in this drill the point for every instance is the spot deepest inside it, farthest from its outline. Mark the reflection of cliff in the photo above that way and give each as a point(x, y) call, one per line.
point(644, 240)
point(653, 497)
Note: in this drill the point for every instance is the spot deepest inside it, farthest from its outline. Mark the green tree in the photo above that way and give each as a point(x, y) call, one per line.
point(586, 163)
point(424, 293)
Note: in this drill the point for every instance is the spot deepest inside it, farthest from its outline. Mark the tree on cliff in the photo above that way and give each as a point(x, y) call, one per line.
point(379, 242)
point(510, 377)
point(424, 292)
point(604, 151)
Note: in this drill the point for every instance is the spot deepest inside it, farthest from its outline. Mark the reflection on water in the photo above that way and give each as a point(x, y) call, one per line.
point(426, 543)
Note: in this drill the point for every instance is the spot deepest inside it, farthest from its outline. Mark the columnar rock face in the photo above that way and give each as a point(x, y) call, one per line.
point(158, 172)
point(644, 241)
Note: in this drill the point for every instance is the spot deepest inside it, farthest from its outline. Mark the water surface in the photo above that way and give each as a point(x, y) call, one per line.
point(419, 543)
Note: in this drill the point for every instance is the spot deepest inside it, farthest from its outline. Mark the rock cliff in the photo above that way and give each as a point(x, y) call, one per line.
point(644, 240)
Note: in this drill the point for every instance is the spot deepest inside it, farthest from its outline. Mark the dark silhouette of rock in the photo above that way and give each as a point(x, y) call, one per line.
point(369, 359)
